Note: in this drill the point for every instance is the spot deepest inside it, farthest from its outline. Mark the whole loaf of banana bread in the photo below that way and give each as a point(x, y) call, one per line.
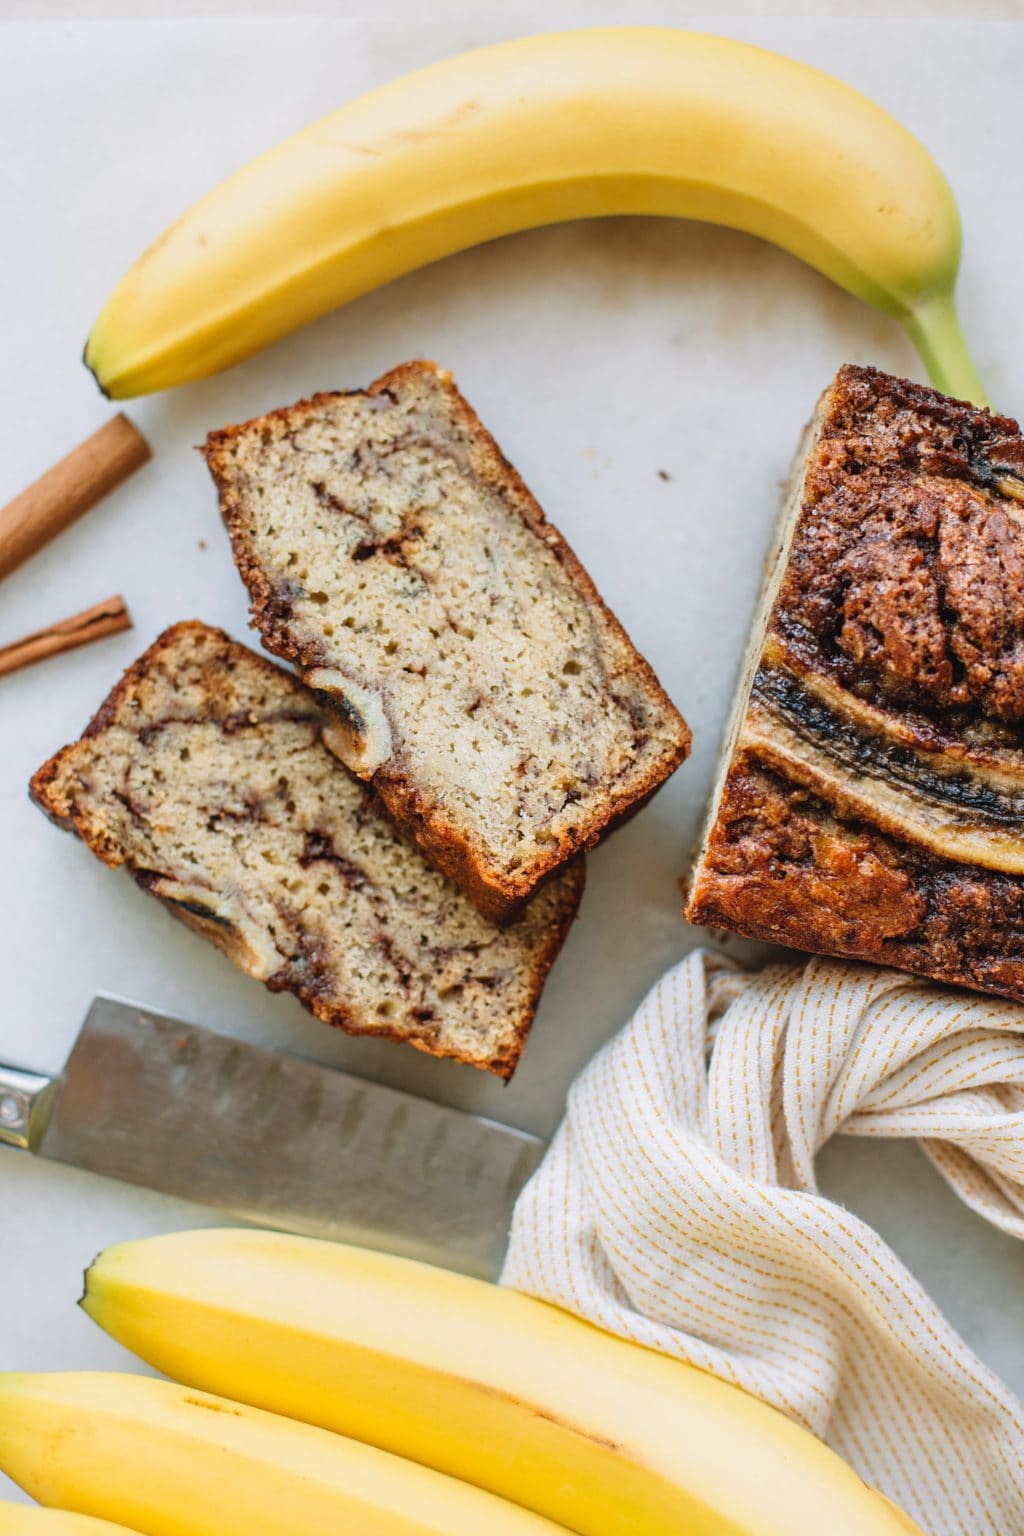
point(871, 801)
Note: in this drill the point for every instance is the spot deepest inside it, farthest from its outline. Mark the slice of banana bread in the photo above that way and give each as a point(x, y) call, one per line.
point(395, 556)
point(205, 773)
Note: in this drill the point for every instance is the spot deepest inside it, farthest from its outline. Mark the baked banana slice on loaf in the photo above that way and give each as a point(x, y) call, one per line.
point(206, 775)
point(399, 561)
point(872, 798)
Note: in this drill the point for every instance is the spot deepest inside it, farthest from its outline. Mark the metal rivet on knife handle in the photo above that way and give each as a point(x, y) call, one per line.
point(24, 1101)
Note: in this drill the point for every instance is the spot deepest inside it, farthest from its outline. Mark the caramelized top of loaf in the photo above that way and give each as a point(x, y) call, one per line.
point(397, 558)
point(905, 579)
point(205, 773)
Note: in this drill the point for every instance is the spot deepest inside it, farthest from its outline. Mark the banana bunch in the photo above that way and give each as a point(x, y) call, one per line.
point(618, 120)
point(167, 1461)
point(356, 1391)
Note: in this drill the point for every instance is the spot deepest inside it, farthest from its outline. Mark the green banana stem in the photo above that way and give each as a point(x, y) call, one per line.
point(934, 328)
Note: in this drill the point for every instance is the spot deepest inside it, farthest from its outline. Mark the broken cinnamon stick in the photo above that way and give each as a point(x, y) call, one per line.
point(93, 623)
point(88, 473)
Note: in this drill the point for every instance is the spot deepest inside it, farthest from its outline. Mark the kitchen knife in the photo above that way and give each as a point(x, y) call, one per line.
point(272, 1139)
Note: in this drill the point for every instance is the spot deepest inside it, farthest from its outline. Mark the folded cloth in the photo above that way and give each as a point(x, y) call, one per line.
point(677, 1207)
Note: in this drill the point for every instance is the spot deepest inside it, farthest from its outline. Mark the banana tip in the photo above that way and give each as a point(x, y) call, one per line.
point(86, 1296)
point(99, 382)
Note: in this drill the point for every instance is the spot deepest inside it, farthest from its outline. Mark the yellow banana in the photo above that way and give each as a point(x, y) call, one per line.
point(30, 1520)
point(172, 1462)
point(602, 1436)
point(618, 120)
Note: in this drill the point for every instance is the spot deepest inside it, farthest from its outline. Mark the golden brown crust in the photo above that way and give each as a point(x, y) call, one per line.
point(498, 894)
point(47, 794)
point(781, 866)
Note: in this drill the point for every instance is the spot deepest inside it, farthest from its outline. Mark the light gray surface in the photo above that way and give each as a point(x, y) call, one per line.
point(522, 14)
point(599, 354)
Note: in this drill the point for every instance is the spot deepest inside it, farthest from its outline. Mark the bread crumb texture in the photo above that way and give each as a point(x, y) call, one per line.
point(395, 556)
point(206, 775)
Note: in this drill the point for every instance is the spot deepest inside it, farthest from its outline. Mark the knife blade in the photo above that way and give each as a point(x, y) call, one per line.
point(272, 1139)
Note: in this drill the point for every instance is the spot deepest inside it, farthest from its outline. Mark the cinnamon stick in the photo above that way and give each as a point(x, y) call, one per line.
point(93, 623)
point(87, 474)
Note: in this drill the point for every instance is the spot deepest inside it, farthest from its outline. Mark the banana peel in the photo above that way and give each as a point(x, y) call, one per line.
point(570, 125)
point(490, 1386)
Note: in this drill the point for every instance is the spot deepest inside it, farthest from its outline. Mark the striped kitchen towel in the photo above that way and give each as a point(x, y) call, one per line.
point(677, 1207)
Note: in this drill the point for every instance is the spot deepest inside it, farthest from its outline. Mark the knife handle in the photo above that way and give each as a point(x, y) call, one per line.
point(24, 1105)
